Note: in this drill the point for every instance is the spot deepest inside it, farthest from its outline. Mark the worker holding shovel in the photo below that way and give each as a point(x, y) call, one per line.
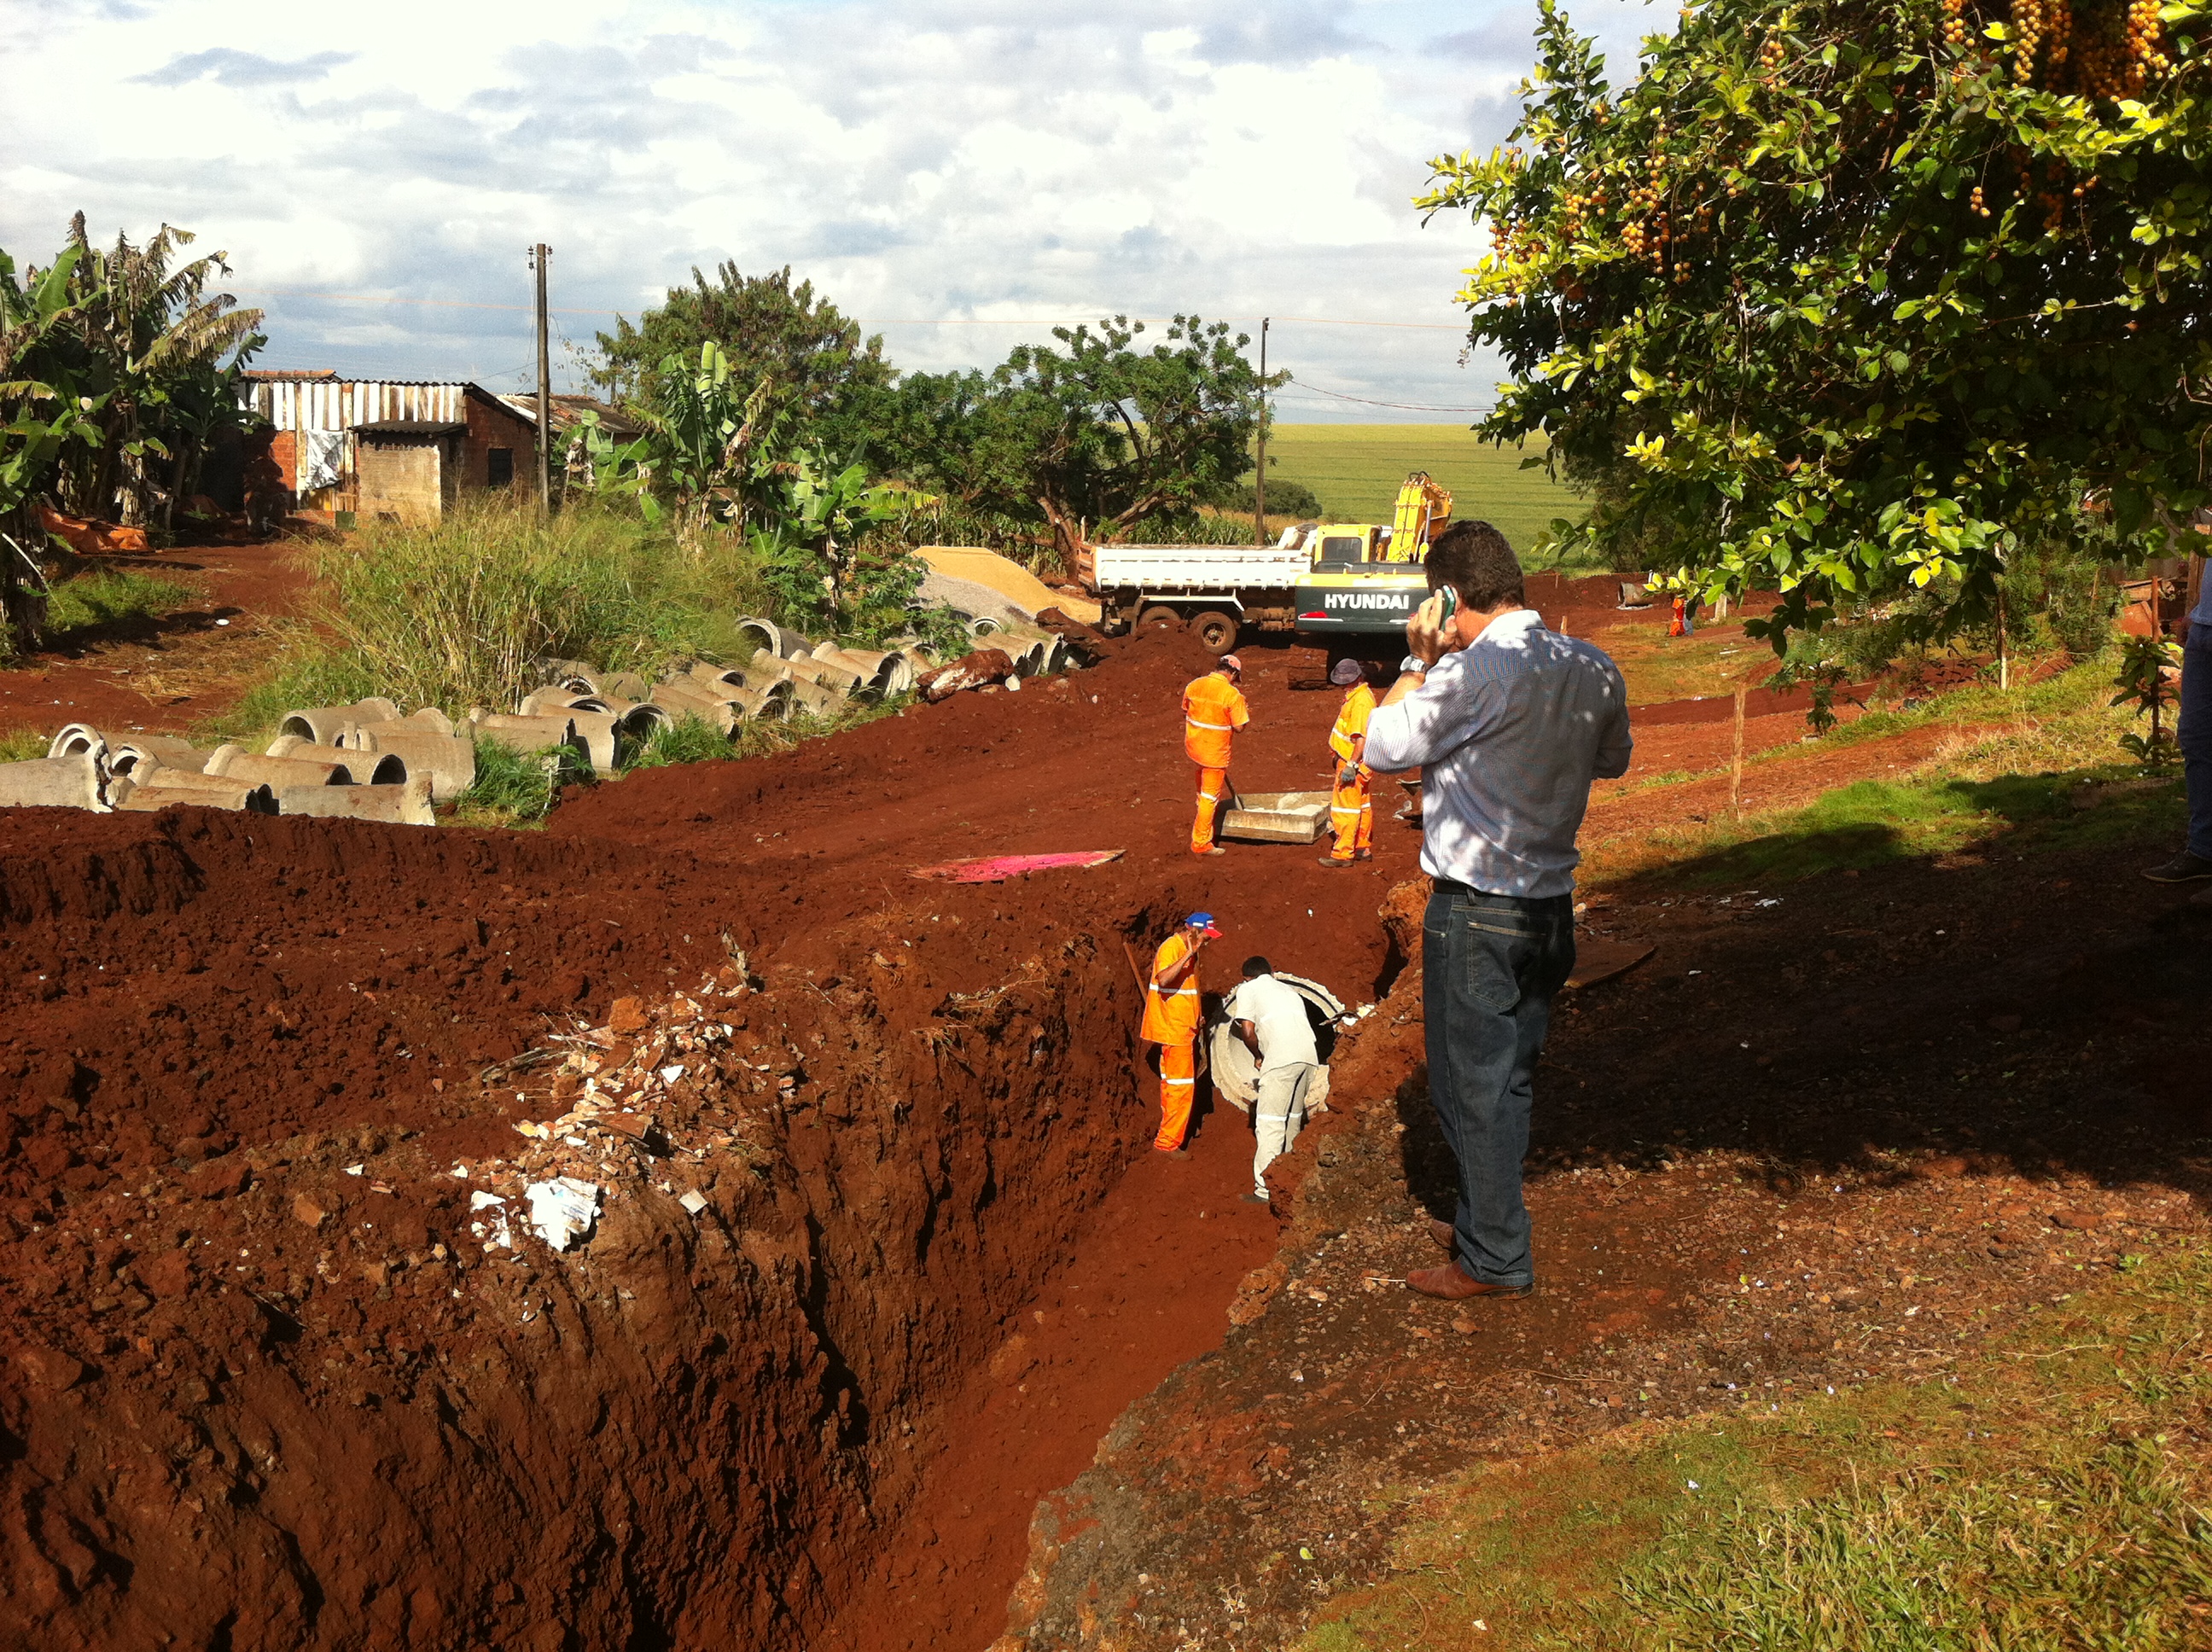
point(1213, 709)
point(1171, 1021)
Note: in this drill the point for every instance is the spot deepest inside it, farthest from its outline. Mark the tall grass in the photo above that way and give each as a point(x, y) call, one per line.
point(453, 614)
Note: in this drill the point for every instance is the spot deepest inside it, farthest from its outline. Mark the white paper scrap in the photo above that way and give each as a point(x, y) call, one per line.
point(563, 1211)
point(695, 1201)
point(670, 1074)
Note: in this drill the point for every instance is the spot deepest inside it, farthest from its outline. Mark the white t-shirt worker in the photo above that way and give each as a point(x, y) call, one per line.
point(1272, 1019)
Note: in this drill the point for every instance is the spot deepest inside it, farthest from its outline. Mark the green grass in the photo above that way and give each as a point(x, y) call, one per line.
point(2050, 1496)
point(454, 614)
point(518, 788)
point(689, 739)
point(106, 595)
point(22, 745)
point(1356, 471)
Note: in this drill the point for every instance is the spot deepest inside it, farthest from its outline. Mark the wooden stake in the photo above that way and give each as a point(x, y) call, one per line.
point(1735, 765)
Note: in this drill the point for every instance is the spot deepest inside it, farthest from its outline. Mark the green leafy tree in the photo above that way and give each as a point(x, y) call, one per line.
point(1845, 297)
point(1089, 436)
point(827, 376)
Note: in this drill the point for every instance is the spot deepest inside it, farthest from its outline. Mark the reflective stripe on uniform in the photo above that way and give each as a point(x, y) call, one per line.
point(1178, 1081)
point(1222, 728)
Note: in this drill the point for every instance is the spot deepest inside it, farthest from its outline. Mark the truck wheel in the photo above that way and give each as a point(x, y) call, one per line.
point(1216, 629)
point(1308, 666)
point(1159, 618)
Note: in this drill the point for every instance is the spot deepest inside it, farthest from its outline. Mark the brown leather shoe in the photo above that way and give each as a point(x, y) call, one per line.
point(1453, 1283)
point(1443, 1234)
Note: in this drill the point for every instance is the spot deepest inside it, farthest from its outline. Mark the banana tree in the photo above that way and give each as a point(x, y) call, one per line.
point(42, 415)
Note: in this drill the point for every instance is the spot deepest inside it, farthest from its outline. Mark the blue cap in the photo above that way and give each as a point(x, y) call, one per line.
point(1202, 921)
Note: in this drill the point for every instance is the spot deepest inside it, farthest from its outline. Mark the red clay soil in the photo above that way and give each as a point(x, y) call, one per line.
point(316, 1441)
point(164, 675)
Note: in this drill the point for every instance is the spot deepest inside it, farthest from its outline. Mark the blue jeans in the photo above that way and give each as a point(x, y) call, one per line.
point(1490, 966)
point(2194, 735)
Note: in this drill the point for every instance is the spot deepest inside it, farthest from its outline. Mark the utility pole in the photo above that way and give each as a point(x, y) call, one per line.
point(1260, 471)
point(540, 254)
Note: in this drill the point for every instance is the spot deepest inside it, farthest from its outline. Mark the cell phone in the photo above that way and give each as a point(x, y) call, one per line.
point(1451, 599)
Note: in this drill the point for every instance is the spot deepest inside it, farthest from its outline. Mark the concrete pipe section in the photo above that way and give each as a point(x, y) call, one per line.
point(165, 788)
point(406, 805)
point(77, 781)
point(149, 751)
point(1236, 1071)
point(687, 696)
point(528, 734)
point(76, 740)
point(327, 724)
point(447, 759)
point(234, 762)
point(383, 768)
point(836, 679)
point(774, 638)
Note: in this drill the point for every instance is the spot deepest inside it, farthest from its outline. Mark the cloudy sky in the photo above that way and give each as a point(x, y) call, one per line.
point(960, 173)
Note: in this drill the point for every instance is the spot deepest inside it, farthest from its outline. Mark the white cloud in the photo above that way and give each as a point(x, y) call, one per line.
point(971, 161)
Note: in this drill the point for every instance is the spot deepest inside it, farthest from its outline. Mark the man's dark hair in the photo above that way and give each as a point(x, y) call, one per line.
point(1256, 965)
point(1475, 560)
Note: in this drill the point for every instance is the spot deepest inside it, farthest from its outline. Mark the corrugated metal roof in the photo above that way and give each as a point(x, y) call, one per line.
point(348, 403)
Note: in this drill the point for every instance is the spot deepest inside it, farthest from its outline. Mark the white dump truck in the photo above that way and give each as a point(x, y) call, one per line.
point(1216, 590)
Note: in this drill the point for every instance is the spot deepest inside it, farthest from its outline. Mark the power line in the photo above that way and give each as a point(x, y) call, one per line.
point(1368, 401)
point(864, 321)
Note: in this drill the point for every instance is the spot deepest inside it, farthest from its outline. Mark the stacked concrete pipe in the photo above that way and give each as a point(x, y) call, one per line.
point(528, 735)
point(164, 787)
point(426, 742)
point(328, 724)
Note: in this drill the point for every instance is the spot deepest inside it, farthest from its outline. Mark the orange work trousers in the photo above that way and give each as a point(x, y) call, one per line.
point(1178, 1088)
point(1352, 815)
point(1213, 788)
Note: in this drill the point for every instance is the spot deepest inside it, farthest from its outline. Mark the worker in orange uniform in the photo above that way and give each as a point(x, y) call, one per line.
point(1352, 805)
point(1213, 709)
point(1171, 1021)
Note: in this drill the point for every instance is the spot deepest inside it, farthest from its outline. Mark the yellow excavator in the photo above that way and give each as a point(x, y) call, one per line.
point(1363, 581)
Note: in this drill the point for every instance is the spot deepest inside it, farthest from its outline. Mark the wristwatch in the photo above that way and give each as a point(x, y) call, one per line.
point(1413, 663)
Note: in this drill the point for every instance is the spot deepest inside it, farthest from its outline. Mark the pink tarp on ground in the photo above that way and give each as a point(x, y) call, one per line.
point(997, 868)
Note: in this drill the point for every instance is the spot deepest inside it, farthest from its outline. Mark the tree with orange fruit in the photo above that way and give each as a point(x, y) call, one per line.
point(1845, 297)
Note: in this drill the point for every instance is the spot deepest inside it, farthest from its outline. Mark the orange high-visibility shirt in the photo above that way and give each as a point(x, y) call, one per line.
point(1352, 720)
point(1212, 709)
point(1171, 1013)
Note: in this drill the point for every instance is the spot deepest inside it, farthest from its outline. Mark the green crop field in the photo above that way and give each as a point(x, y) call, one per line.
point(1355, 469)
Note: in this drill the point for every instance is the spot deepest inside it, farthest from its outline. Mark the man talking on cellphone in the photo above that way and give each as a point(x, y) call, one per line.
point(1509, 723)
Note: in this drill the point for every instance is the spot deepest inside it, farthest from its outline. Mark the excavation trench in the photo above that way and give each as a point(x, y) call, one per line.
point(289, 1365)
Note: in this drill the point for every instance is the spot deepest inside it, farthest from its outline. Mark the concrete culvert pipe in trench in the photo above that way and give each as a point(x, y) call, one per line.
point(235, 762)
point(447, 760)
point(405, 804)
point(74, 781)
point(327, 724)
point(367, 768)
